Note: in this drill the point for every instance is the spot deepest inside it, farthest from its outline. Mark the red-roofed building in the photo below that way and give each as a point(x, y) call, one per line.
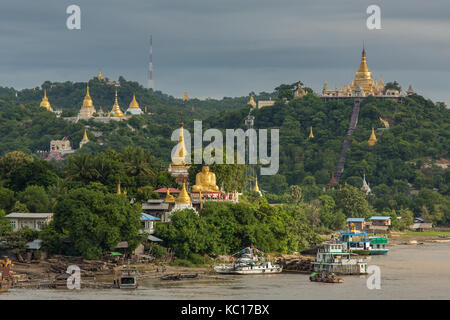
point(164, 190)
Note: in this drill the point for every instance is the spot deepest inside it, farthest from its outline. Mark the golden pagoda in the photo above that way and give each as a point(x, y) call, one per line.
point(85, 139)
point(363, 77)
point(99, 77)
point(87, 109)
point(255, 187)
point(169, 197)
point(134, 108)
point(185, 97)
point(116, 109)
point(252, 101)
point(118, 187)
point(373, 139)
point(183, 197)
point(45, 103)
point(180, 154)
point(311, 135)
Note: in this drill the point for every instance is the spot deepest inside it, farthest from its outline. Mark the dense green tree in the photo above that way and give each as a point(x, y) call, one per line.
point(95, 221)
point(35, 198)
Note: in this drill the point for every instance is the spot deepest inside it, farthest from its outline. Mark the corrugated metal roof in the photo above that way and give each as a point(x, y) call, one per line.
point(355, 219)
point(35, 244)
point(153, 238)
point(379, 218)
point(148, 217)
point(29, 215)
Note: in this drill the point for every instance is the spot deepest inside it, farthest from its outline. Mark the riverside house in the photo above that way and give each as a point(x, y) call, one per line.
point(34, 221)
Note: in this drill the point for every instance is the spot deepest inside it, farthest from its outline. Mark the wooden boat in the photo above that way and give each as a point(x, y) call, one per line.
point(318, 277)
point(127, 279)
point(179, 276)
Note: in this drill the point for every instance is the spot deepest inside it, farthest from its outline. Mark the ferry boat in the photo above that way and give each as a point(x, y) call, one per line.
point(249, 263)
point(378, 245)
point(336, 258)
point(360, 243)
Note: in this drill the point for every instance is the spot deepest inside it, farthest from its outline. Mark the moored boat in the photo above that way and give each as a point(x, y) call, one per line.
point(324, 277)
point(249, 263)
point(335, 258)
point(127, 278)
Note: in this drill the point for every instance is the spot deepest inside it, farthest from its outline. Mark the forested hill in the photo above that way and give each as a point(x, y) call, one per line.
point(68, 97)
point(404, 168)
point(401, 164)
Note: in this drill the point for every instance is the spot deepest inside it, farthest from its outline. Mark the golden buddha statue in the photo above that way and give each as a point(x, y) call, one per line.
point(205, 181)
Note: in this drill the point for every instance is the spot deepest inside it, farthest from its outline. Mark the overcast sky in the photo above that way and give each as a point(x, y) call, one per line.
point(216, 48)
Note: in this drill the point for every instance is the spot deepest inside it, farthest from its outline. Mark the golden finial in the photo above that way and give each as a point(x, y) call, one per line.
point(311, 135)
point(85, 137)
point(118, 187)
point(116, 109)
point(373, 139)
point(45, 103)
point(325, 87)
point(256, 188)
point(184, 197)
point(100, 75)
point(186, 96)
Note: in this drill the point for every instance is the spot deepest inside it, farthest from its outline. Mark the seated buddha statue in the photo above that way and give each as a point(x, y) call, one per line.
point(205, 181)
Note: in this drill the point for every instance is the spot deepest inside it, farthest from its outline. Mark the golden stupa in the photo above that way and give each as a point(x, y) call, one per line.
point(186, 96)
point(134, 104)
point(116, 109)
point(373, 139)
point(183, 197)
point(118, 187)
point(179, 157)
point(169, 197)
point(363, 77)
point(100, 75)
point(85, 137)
point(87, 102)
point(45, 103)
point(256, 188)
point(311, 135)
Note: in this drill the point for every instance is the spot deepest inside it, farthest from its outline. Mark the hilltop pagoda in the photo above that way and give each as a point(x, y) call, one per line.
point(87, 109)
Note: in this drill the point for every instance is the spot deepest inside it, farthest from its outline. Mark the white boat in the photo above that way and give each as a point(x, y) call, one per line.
point(127, 279)
point(249, 263)
point(335, 258)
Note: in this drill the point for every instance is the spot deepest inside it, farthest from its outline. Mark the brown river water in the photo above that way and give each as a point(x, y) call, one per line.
point(407, 272)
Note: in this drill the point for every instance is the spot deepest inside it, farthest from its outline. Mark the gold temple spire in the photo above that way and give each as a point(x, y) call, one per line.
point(184, 197)
point(186, 96)
point(87, 102)
point(256, 188)
point(116, 109)
point(85, 137)
point(118, 187)
point(311, 135)
point(373, 139)
point(363, 71)
point(45, 103)
point(179, 157)
point(134, 104)
point(100, 75)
